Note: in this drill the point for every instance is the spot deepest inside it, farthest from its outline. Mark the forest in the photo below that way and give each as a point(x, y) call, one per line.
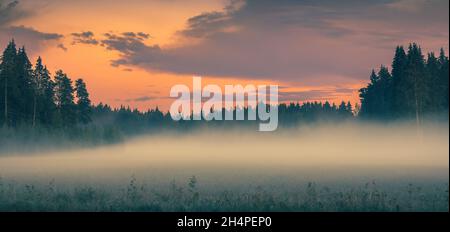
point(61, 152)
point(416, 87)
point(31, 97)
point(35, 101)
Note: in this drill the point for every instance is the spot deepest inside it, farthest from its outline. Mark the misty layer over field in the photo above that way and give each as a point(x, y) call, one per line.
point(345, 167)
point(329, 152)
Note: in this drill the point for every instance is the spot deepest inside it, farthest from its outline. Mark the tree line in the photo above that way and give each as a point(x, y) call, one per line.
point(414, 88)
point(29, 96)
point(129, 120)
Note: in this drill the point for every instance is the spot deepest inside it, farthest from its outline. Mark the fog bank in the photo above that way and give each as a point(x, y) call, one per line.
point(344, 151)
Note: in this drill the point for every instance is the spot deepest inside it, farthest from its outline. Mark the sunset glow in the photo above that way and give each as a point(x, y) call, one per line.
point(313, 62)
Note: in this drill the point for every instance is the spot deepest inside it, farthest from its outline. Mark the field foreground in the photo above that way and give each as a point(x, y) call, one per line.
point(329, 168)
point(189, 197)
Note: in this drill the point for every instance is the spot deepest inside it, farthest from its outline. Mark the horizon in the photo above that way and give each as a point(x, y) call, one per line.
point(321, 57)
point(225, 106)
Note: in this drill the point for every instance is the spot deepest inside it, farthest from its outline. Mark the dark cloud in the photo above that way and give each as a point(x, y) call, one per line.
point(313, 95)
point(31, 33)
point(86, 34)
point(128, 44)
point(33, 39)
point(283, 96)
point(123, 42)
point(9, 12)
point(344, 90)
point(139, 35)
point(140, 99)
point(308, 41)
point(206, 24)
point(86, 37)
point(143, 99)
point(265, 14)
point(62, 47)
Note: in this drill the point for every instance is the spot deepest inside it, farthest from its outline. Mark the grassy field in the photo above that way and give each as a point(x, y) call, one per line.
point(138, 196)
point(320, 168)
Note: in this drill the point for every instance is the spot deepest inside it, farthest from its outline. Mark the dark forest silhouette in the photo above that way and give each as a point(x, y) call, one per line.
point(416, 87)
point(31, 98)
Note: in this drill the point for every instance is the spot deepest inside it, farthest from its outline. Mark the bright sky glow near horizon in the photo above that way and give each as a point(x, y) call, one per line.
point(132, 52)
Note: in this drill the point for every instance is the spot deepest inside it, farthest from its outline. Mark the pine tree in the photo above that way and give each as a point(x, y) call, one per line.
point(16, 89)
point(342, 109)
point(22, 89)
point(399, 82)
point(367, 95)
point(376, 98)
point(64, 96)
point(44, 106)
point(432, 83)
point(83, 102)
point(416, 74)
point(443, 81)
point(327, 107)
point(7, 73)
point(349, 108)
point(415, 88)
point(384, 93)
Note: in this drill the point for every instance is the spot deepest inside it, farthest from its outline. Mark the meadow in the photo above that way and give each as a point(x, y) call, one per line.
point(349, 167)
point(180, 197)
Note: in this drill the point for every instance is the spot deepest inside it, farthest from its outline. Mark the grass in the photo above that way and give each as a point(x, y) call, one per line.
point(135, 196)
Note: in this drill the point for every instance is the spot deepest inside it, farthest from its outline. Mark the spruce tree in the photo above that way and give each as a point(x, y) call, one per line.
point(64, 96)
point(342, 108)
point(384, 93)
point(349, 109)
point(22, 89)
point(368, 97)
point(7, 74)
point(44, 106)
point(432, 84)
point(443, 81)
point(399, 82)
point(416, 74)
point(83, 102)
point(415, 88)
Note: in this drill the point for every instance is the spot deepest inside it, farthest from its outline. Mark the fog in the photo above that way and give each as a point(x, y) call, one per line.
point(343, 152)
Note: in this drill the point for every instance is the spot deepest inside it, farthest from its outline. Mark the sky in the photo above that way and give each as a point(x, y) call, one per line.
point(132, 52)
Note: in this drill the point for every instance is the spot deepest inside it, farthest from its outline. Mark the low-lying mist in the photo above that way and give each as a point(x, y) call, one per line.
point(340, 152)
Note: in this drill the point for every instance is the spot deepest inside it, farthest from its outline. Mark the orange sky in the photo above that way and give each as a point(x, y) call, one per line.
point(146, 88)
point(107, 84)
